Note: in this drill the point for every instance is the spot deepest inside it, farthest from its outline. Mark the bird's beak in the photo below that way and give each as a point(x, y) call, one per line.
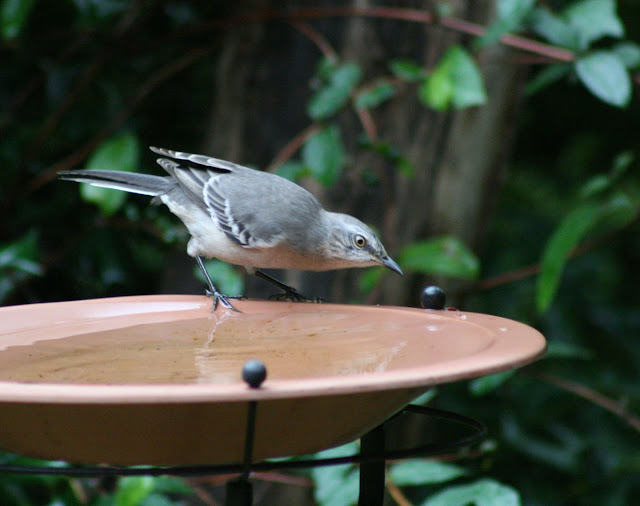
point(390, 264)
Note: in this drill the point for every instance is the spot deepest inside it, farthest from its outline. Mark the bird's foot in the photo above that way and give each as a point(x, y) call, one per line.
point(222, 299)
point(293, 295)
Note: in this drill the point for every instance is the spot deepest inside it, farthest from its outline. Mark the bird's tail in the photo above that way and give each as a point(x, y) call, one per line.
point(132, 182)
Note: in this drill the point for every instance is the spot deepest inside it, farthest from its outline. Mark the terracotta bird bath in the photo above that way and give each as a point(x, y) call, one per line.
point(157, 379)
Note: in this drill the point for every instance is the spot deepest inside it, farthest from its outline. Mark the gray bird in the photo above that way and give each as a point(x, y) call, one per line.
point(248, 217)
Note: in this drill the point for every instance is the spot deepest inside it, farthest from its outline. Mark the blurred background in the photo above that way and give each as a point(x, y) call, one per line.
point(501, 167)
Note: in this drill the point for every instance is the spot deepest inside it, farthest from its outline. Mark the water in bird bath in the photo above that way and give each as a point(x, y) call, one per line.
point(319, 342)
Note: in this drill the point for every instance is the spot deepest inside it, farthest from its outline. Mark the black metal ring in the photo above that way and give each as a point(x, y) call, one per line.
point(478, 433)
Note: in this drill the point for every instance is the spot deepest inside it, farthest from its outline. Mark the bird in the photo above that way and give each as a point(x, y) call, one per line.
point(248, 217)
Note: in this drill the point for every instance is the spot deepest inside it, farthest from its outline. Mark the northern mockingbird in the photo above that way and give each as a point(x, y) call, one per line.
point(248, 217)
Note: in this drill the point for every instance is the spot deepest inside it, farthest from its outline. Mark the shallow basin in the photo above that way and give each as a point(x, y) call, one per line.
point(157, 379)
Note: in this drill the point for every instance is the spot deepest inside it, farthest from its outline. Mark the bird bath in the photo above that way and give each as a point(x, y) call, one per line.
point(157, 379)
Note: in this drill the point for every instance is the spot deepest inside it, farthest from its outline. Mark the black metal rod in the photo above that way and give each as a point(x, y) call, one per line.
point(249, 438)
point(239, 492)
point(372, 473)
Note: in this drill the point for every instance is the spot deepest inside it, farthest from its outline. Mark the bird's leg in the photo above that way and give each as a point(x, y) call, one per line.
point(213, 292)
point(290, 293)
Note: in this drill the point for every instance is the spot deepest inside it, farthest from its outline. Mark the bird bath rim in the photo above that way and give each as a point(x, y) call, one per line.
point(523, 346)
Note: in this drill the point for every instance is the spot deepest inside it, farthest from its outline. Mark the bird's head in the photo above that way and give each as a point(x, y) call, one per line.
point(353, 244)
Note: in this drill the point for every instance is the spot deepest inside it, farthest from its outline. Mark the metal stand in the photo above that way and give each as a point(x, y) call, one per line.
point(372, 473)
point(240, 491)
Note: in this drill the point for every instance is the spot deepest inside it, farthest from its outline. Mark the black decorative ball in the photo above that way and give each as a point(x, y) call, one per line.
point(432, 297)
point(254, 373)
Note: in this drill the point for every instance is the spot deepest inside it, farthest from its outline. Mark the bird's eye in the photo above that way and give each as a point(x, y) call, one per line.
point(359, 241)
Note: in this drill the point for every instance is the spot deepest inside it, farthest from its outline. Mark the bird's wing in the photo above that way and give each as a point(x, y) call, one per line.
point(201, 161)
point(206, 181)
point(241, 227)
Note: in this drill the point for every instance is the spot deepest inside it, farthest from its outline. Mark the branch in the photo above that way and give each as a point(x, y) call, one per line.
point(419, 16)
point(396, 493)
point(292, 146)
point(54, 119)
point(615, 407)
point(27, 90)
point(317, 38)
point(368, 124)
point(381, 12)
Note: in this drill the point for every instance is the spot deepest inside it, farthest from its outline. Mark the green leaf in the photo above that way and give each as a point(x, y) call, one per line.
point(292, 170)
point(416, 472)
point(618, 211)
point(565, 350)
point(22, 254)
point(566, 237)
point(564, 450)
point(514, 10)
point(19, 260)
point(511, 14)
point(132, 490)
point(155, 499)
point(323, 153)
point(445, 256)
point(391, 153)
point(324, 69)
point(405, 166)
point(436, 91)
point(596, 185)
point(224, 276)
point(407, 70)
point(605, 76)
point(621, 163)
point(330, 98)
point(375, 95)
point(592, 20)
point(171, 485)
point(336, 485)
point(479, 493)
point(601, 216)
point(468, 89)
point(13, 17)
point(602, 182)
point(629, 54)
point(120, 152)
point(456, 81)
point(425, 398)
point(553, 28)
point(487, 384)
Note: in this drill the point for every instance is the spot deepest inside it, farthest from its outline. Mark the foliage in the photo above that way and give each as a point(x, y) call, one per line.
point(455, 82)
point(323, 155)
point(561, 252)
point(116, 153)
point(446, 256)
point(336, 485)
point(579, 27)
point(13, 16)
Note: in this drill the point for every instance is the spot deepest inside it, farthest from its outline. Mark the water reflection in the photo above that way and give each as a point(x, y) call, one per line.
point(213, 349)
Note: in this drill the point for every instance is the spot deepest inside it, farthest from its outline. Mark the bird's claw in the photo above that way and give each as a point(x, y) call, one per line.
point(293, 295)
point(220, 298)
